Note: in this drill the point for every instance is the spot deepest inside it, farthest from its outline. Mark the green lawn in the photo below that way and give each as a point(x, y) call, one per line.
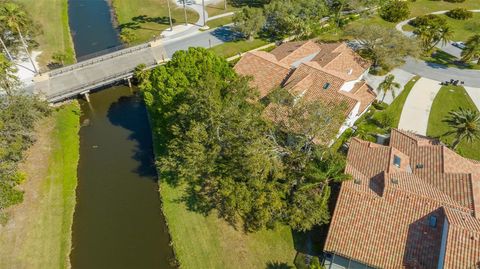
point(420, 7)
point(209, 242)
point(219, 8)
point(230, 49)
point(440, 57)
point(148, 18)
point(219, 22)
point(52, 18)
point(41, 233)
point(451, 98)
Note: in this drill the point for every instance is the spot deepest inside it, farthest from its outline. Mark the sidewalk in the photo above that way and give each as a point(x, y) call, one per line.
point(416, 110)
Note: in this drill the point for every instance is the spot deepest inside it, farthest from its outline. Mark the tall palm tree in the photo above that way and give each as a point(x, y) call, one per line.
point(185, 12)
point(472, 49)
point(170, 15)
point(8, 80)
point(15, 18)
point(465, 124)
point(388, 85)
point(4, 46)
point(431, 36)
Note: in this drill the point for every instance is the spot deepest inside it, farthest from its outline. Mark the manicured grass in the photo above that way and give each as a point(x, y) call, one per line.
point(52, 18)
point(209, 242)
point(230, 49)
point(219, 22)
point(148, 18)
point(451, 98)
point(396, 107)
point(420, 7)
point(219, 8)
point(463, 29)
point(40, 234)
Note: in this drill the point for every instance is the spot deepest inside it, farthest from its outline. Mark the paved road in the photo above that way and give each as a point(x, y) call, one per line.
point(416, 110)
point(441, 72)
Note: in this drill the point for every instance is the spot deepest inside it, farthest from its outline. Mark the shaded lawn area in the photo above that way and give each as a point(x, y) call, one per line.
point(372, 121)
point(148, 18)
point(451, 98)
point(41, 232)
point(52, 18)
point(209, 242)
point(441, 57)
point(219, 22)
point(230, 49)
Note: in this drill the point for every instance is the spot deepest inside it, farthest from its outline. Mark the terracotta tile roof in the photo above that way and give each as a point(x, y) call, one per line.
point(290, 52)
point(363, 94)
point(309, 82)
point(266, 71)
point(382, 216)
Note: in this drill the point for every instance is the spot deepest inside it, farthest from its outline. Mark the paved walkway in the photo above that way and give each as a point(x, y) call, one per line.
point(416, 110)
point(402, 77)
point(475, 95)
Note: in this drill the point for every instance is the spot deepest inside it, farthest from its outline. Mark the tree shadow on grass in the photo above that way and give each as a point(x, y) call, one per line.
point(278, 265)
point(137, 21)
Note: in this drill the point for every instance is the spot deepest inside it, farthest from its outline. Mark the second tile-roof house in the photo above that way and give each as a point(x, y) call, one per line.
point(412, 204)
point(326, 72)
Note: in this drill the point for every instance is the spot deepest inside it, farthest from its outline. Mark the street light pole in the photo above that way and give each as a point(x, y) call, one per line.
point(204, 19)
point(170, 15)
point(185, 12)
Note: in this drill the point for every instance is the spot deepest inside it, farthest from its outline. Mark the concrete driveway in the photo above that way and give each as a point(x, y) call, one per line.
point(402, 77)
point(416, 110)
point(474, 93)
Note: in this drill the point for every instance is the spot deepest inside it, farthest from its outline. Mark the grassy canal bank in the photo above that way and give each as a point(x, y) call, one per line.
point(38, 234)
point(54, 37)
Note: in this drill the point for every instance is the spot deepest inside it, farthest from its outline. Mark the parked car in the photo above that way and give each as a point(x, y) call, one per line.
point(459, 45)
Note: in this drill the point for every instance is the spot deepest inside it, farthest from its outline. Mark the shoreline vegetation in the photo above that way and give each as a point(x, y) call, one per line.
point(38, 234)
point(55, 36)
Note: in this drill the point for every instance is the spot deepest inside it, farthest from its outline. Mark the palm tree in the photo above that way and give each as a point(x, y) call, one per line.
point(388, 85)
point(472, 49)
point(170, 15)
point(465, 124)
point(15, 18)
point(8, 80)
point(431, 36)
point(4, 46)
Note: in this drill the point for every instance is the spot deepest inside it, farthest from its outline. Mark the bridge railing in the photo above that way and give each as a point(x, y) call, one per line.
point(97, 59)
point(96, 83)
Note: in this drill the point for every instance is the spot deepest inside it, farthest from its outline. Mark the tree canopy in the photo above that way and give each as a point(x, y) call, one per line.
point(218, 143)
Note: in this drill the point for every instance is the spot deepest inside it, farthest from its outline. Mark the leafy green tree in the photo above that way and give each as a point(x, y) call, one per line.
point(472, 50)
point(431, 31)
point(287, 17)
point(8, 79)
point(15, 18)
point(464, 124)
point(386, 48)
point(249, 21)
point(395, 10)
point(388, 85)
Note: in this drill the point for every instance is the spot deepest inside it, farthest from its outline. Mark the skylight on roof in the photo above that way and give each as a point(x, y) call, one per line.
point(432, 221)
point(326, 86)
point(397, 161)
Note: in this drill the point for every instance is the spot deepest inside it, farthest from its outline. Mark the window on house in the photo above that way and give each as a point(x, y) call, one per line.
point(432, 221)
point(397, 161)
point(326, 86)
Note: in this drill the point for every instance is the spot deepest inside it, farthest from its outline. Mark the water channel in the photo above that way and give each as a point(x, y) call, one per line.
point(118, 221)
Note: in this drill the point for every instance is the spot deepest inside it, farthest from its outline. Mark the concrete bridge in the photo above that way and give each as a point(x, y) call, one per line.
point(80, 78)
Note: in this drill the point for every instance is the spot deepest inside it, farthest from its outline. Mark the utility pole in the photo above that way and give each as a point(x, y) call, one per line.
point(204, 19)
point(170, 15)
point(225, 2)
point(185, 12)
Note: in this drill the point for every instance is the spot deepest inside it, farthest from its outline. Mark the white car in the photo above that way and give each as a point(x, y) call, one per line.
point(459, 45)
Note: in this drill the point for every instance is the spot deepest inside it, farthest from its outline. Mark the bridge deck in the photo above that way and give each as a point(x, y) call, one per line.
point(72, 80)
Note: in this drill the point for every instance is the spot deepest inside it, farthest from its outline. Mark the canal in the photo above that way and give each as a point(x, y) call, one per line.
point(118, 221)
point(92, 28)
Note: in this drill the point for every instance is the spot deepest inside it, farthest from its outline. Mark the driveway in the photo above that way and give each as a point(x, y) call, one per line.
point(474, 93)
point(416, 110)
point(402, 77)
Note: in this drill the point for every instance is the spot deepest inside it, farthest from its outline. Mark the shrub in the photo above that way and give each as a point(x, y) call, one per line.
point(459, 14)
point(395, 11)
point(430, 19)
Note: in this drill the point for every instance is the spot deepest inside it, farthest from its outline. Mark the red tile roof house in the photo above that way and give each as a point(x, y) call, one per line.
point(412, 204)
point(326, 72)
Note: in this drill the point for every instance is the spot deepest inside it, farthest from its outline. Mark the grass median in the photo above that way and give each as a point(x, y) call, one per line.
point(450, 98)
point(38, 234)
